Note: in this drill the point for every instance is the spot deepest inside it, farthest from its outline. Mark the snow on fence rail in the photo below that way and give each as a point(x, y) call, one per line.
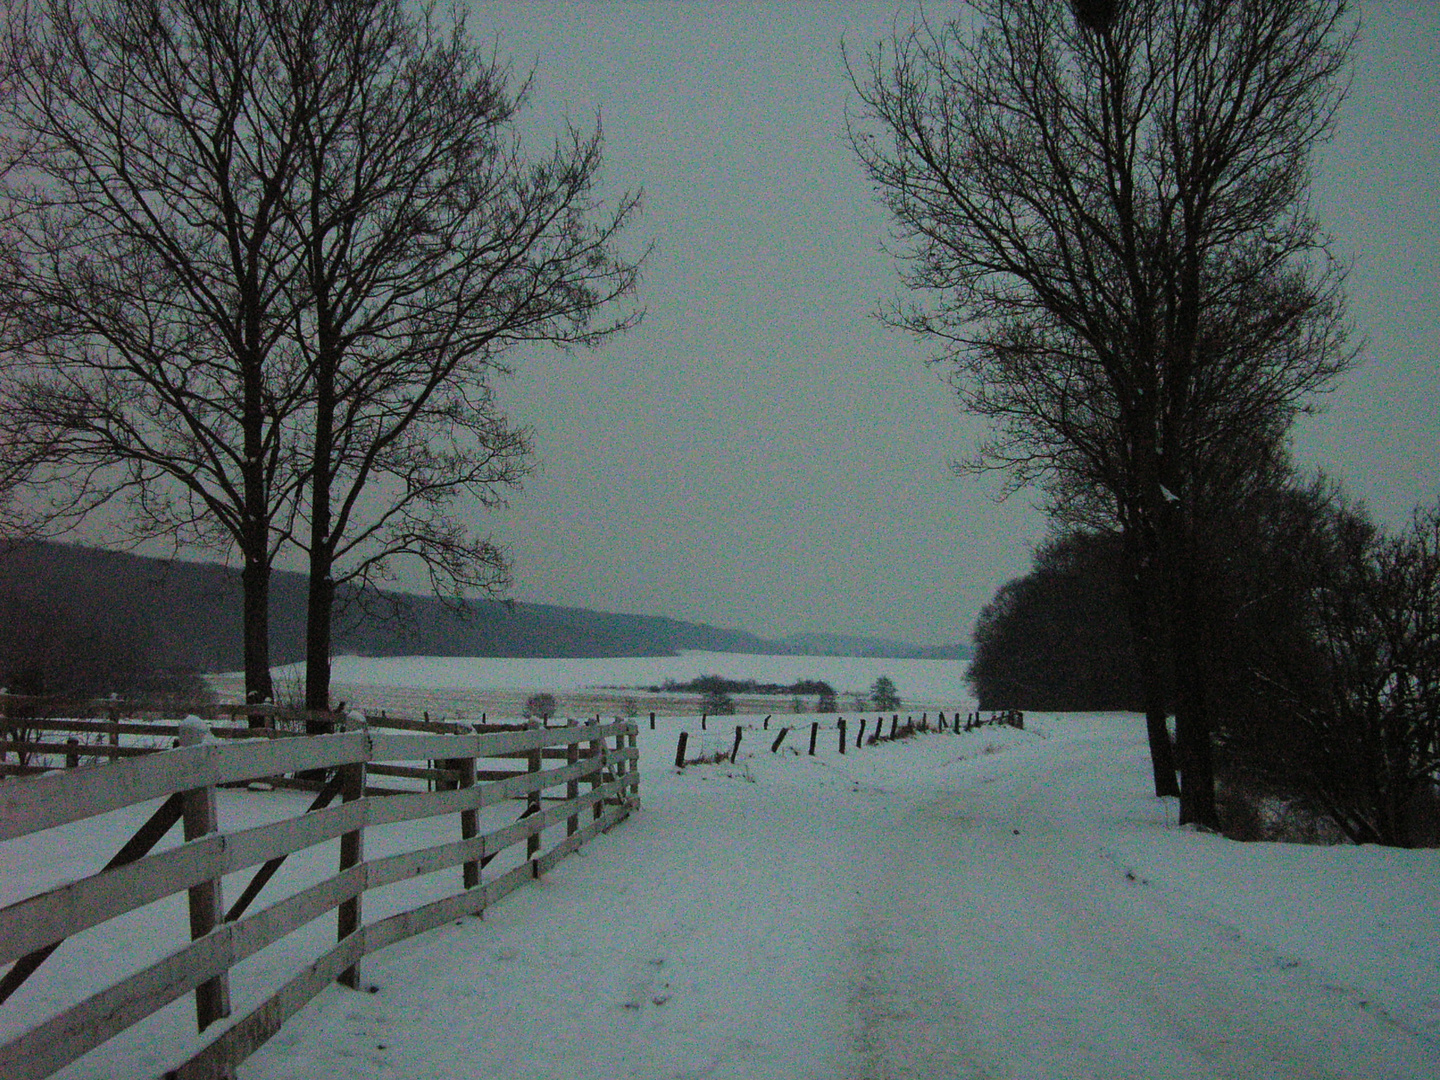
point(603, 756)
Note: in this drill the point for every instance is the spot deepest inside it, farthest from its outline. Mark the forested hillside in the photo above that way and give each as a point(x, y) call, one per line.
point(83, 616)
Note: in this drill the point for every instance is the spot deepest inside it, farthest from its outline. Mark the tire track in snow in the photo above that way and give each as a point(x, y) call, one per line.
point(1001, 942)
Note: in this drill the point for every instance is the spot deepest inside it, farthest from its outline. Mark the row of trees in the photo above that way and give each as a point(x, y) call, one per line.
point(261, 265)
point(1324, 637)
point(1102, 211)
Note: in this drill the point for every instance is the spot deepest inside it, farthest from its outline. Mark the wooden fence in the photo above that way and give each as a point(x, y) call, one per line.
point(603, 757)
point(862, 735)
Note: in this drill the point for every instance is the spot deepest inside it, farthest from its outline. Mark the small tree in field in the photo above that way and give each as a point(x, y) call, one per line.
point(717, 702)
point(883, 694)
point(541, 705)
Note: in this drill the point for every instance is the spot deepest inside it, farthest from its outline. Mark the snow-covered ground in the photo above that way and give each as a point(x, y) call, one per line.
point(465, 687)
point(998, 903)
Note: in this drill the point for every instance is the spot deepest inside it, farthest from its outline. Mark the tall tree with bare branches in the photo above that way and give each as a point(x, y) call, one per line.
point(155, 279)
point(270, 257)
point(1102, 212)
point(432, 247)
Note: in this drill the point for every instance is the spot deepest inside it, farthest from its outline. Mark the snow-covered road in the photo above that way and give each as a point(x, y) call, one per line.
point(1021, 947)
point(997, 904)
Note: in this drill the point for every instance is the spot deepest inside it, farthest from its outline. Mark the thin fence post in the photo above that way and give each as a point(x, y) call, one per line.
point(735, 749)
point(469, 819)
point(572, 787)
point(779, 739)
point(652, 721)
point(72, 757)
point(860, 735)
point(352, 851)
point(534, 762)
point(841, 724)
point(680, 749)
point(814, 733)
point(597, 778)
point(632, 795)
point(207, 901)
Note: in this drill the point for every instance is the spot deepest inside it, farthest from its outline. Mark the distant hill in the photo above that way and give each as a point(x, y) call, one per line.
point(186, 615)
point(851, 645)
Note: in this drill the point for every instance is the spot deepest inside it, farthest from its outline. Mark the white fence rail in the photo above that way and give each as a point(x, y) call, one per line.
point(602, 757)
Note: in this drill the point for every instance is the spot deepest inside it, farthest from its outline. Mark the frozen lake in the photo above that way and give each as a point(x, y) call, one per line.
point(465, 687)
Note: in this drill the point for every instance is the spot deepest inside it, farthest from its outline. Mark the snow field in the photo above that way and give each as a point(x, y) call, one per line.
point(997, 903)
point(952, 905)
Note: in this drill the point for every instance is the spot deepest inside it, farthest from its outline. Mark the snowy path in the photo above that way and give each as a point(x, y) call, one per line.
point(905, 913)
point(996, 904)
point(1025, 951)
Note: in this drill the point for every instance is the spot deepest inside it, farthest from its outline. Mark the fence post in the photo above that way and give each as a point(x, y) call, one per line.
point(779, 739)
point(469, 819)
point(572, 788)
point(534, 762)
point(632, 796)
point(352, 851)
point(814, 732)
point(207, 902)
point(112, 713)
point(735, 749)
point(597, 778)
point(680, 749)
point(861, 733)
point(72, 757)
point(652, 721)
point(841, 724)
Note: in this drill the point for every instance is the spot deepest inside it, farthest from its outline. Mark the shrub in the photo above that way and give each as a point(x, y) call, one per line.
point(883, 694)
point(540, 705)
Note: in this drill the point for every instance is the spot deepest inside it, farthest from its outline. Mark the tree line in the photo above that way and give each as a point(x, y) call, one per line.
point(1101, 210)
point(262, 265)
point(1324, 655)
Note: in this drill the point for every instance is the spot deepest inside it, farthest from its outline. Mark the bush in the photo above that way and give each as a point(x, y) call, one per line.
point(1059, 637)
point(717, 703)
point(1344, 716)
point(883, 694)
point(540, 705)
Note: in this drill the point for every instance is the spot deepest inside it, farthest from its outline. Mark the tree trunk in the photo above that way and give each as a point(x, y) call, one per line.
point(1141, 606)
point(321, 599)
point(1162, 751)
point(319, 607)
point(255, 586)
point(1192, 719)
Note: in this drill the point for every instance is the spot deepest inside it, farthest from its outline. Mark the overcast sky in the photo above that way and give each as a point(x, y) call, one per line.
point(760, 454)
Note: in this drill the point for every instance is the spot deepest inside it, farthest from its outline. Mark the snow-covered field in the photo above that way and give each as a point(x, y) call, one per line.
point(464, 687)
point(997, 903)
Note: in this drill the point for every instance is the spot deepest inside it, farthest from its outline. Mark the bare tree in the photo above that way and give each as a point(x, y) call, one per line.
point(1104, 217)
point(156, 277)
point(1344, 716)
point(432, 247)
point(270, 256)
